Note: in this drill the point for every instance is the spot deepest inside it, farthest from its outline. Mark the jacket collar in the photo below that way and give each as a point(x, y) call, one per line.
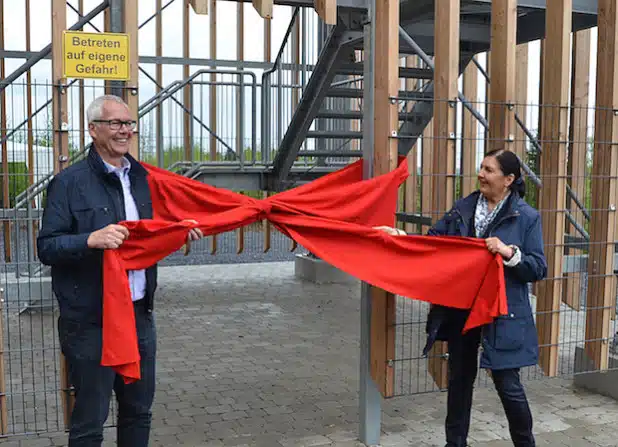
point(98, 166)
point(467, 205)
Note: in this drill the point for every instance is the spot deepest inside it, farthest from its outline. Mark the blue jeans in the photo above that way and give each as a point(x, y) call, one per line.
point(93, 383)
point(463, 367)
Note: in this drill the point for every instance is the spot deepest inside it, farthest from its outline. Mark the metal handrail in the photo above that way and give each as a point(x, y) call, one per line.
point(266, 100)
point(169, 92)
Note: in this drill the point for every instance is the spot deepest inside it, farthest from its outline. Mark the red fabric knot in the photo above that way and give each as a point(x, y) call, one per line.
point(332, 217)
point(264, 208)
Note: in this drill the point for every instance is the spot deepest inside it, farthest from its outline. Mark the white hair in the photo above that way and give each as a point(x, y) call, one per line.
point(95, 109)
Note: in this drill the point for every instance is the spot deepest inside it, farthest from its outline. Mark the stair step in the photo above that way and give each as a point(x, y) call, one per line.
point(404, 72)
point(351, 134)
point(358, 115)
point(358, 93)
point(330, 153)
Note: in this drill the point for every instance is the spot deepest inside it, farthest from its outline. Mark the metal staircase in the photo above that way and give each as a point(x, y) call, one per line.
point(417, 38)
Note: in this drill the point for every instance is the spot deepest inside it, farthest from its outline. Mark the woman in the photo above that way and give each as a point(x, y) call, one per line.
point(512, 228)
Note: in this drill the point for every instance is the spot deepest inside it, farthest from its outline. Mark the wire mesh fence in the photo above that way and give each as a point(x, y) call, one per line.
point(563, 157)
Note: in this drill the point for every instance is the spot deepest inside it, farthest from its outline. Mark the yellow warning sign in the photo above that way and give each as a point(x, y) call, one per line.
point(96, 55)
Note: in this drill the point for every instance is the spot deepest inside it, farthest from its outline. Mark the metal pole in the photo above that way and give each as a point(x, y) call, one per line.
point(370, 399)
point(116, 24)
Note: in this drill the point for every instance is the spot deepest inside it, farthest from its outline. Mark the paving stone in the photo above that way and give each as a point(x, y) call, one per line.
point(250, 356)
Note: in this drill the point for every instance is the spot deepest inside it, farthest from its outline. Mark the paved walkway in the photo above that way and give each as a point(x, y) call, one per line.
point(250, 356)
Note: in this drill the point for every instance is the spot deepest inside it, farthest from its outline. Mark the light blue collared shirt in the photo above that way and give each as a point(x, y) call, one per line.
point(137, 278)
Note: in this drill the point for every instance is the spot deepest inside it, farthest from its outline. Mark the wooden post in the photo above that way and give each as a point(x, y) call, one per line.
point(576, 166)
point(213, 99)
point(426, 168)
point(443, 173)
point(33, 224)
point(553, 168)
point(159, 78)
point(470, 131)
point(61, 149)
point(411, 186)
point(266, 227)
point(187, 100)
point(240, 144)
point(4, 419)
point(4, 149)
point(327, 10)
point(264, 8)
point(601, 279)
point(131, 91)
point(386, 120)
point(502, 86)
point(521, 98)
point(199, 6)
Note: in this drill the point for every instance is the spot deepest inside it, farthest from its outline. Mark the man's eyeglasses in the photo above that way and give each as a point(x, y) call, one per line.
point(117, 124)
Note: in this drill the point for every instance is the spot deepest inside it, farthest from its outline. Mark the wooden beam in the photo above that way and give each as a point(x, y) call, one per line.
point(264, 8)
point(576, 166)
point(131, 92)
point(502, 86)
point(443, 165)
point(199, 6)
point(386, 121)
point(470, 131)
point(601, 279)
point(553, 169)
point(327, 10)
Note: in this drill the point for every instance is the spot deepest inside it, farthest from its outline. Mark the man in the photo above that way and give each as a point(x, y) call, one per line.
point(84, 204)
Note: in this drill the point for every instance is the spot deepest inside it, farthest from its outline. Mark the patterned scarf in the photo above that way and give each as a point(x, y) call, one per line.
point(483, 217)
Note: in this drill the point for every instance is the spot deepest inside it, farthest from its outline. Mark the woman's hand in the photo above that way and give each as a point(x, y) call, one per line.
point(390, 230)
point(495, 245)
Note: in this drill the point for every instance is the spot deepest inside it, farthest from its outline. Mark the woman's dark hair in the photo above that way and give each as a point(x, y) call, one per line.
point(510, 164)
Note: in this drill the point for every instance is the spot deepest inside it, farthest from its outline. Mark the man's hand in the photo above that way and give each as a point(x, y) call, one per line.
point(495, 245)
point(194, 235)
point(390, 230)
point(110, 237)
